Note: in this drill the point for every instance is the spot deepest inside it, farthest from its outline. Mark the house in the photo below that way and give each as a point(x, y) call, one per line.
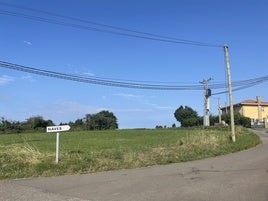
point(256, 110)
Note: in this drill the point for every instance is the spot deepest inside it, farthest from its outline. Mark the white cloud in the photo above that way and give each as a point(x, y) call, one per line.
point(163, 107)
point(5, 79)
point(89, 74)
point(80, 70)
point(28, 77)
point(129, 96)
point(72, 106)
point(133, 110)
point(64, 111)
point(144, 101)
point(60, 111)
point(27, 42)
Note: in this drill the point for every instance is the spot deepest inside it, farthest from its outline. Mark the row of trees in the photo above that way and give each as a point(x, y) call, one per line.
point(189, 117)
point(103, 120)
point(100, 121)
point(36, 123)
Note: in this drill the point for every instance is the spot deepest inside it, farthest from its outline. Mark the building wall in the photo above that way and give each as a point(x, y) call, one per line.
point(252, 112)
point(238, 109)
point(265, 111)
point(257, 111)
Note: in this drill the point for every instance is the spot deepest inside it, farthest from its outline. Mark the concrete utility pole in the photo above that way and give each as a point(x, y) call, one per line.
point(227, 61)
point(207, 94)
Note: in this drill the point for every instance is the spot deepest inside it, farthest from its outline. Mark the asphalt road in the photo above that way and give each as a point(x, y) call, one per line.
point(240, 176)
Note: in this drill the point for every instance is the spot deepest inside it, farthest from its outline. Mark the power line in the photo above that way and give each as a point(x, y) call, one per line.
point(111, 29)
point(77, 26)
point(101, 24)
point(245, 86)
point(239, 85)
point(92, 80)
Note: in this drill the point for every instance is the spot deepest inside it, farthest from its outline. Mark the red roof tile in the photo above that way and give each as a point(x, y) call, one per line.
point(248, 102)
point(252, 102)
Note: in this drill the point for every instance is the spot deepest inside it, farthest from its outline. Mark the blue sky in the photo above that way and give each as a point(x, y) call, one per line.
point(242, 24)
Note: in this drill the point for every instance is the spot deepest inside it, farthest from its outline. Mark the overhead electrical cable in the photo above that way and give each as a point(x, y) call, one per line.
point(111, 29)
point(107, 82)
point(103, 25)
point(99, 27)
point(98, 81)
point(245, 84)
point(78, 26)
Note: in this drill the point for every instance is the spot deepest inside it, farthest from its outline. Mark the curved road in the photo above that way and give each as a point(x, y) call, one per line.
point(241, 176)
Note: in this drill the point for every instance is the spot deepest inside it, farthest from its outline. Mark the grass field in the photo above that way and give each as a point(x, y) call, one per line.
point(32, 155)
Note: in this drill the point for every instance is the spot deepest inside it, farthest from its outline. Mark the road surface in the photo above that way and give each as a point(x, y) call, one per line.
point(241, 176)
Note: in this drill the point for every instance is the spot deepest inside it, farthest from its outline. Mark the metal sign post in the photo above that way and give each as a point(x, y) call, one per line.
point(58, 129)
point(57, 147)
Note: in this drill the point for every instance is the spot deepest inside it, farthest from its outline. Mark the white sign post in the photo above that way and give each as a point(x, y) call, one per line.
point(58, 129)
point(57, 147)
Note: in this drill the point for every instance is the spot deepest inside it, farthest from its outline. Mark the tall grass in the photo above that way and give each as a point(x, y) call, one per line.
point(31, 155)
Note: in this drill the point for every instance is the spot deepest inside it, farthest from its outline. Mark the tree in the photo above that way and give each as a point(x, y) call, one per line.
point(187, 116)
point(103, 120)
point(10, 126)
point(189, 122)
point(36, 123)
point(158, 127)
point(78, 124)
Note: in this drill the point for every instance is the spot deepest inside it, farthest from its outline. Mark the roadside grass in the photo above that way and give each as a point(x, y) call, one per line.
point(33, 155)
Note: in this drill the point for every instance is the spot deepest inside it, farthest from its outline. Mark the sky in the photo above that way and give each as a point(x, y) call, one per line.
point(241, 24)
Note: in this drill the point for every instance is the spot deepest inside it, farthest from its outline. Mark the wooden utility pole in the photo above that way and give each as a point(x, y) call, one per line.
point(227, 62)
point(219, 108)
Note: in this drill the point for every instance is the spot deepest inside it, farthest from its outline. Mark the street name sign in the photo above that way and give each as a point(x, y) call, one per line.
point(57, 129)
point(51, 129)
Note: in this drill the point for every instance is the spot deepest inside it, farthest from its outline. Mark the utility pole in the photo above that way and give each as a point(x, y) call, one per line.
point(207, 94)
point(227, 62)
point(219, 108)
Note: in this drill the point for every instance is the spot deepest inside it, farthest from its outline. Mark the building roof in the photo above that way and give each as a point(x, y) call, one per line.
point(252, 102)
point(249, 102)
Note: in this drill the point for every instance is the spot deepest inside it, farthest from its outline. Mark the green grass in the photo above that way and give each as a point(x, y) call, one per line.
point(32, 155)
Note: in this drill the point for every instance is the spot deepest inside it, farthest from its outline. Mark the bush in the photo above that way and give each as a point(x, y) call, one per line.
point(238, 120)
point(189, 122)
point(187, 116)
point(245, 121)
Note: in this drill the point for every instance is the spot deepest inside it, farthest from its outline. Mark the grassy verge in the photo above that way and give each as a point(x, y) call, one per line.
point(32, 155)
